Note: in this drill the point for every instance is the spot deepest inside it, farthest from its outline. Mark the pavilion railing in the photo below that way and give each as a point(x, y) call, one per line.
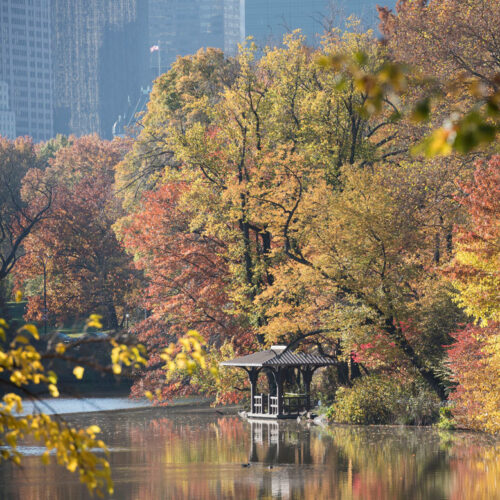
point(264, 404)
point(273, 405)
point(258, 403)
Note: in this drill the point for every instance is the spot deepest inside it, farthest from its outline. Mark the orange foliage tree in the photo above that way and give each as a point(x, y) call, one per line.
point(86, 269)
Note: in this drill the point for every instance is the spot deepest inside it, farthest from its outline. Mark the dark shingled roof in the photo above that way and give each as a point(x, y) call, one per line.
point(272, 358)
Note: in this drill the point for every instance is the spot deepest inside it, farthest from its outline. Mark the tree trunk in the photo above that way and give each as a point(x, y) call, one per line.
point(112, 317)
point(428, 375)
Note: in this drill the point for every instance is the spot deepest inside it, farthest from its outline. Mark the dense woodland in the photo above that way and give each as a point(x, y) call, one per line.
point(279, 197)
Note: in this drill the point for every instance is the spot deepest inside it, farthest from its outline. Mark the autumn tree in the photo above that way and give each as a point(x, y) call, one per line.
point(86, 270)
point(445, 38)
point(475, 271)
point(178, 100)
point(18, 216)
point(475, 356)
point(187, 278)
point(453, 52)
point(280, 109)
point(259, 181)
point(365, 266)
point(474, 359)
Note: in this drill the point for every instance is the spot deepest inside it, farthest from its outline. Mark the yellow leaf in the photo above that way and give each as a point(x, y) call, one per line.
point(195, 334)
point(20, 339)
point(93, 429)
point(31, 329)
point(52, 377)
point(72, 465)
point(54, 392)
point(149, 395)
point(94, 321)
point(60, 348)
point(78, 372)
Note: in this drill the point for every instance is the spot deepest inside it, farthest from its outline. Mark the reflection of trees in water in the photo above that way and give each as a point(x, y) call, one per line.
point(391, 462)
point(200, 456)
point(411, 463)
point(476, 467)
point(193, 457)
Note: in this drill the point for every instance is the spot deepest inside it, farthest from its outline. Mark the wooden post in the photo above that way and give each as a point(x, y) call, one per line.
point(307, 374)
point(253, 375)
point(279, 390)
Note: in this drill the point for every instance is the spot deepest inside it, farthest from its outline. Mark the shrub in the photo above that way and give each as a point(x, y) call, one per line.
point(446, 422)
point(379, 399)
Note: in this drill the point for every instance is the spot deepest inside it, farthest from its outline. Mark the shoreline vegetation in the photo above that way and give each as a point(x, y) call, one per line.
point(195, 404)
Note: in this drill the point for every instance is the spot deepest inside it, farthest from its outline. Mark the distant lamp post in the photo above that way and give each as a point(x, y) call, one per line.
point(126, 321)
point(45, 310)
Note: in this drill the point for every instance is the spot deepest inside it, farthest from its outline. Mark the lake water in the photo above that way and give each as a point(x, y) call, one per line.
point(179, 453)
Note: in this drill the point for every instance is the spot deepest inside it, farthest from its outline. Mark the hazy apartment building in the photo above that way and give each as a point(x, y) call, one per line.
point(26, 66)
point(181, 27)
point(101, 60)
point(7, 117)
point(268, 20)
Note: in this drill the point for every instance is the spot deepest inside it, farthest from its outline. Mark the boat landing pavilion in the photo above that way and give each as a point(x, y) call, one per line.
point(277, 362)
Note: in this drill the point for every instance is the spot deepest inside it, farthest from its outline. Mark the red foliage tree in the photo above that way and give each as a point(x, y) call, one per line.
point(187, 281)
point(475, 271)
point(473, 359)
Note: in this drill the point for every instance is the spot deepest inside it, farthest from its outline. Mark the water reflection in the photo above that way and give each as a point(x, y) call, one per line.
point(160, 454)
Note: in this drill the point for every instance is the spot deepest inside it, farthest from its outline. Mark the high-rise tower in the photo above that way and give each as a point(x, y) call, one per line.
point(181, 27)
point(7, 117)
point(268, 20)
point(101, 58)
point(26, 65)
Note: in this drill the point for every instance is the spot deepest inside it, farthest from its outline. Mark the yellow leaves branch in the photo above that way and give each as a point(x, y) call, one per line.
point(73, 448)
point(190, 358)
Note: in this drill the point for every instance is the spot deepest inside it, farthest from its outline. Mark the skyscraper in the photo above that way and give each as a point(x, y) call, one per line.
point(100, 51)
point(26, 65)
point(268, 20)
point(7, 117)
point(181, 27)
